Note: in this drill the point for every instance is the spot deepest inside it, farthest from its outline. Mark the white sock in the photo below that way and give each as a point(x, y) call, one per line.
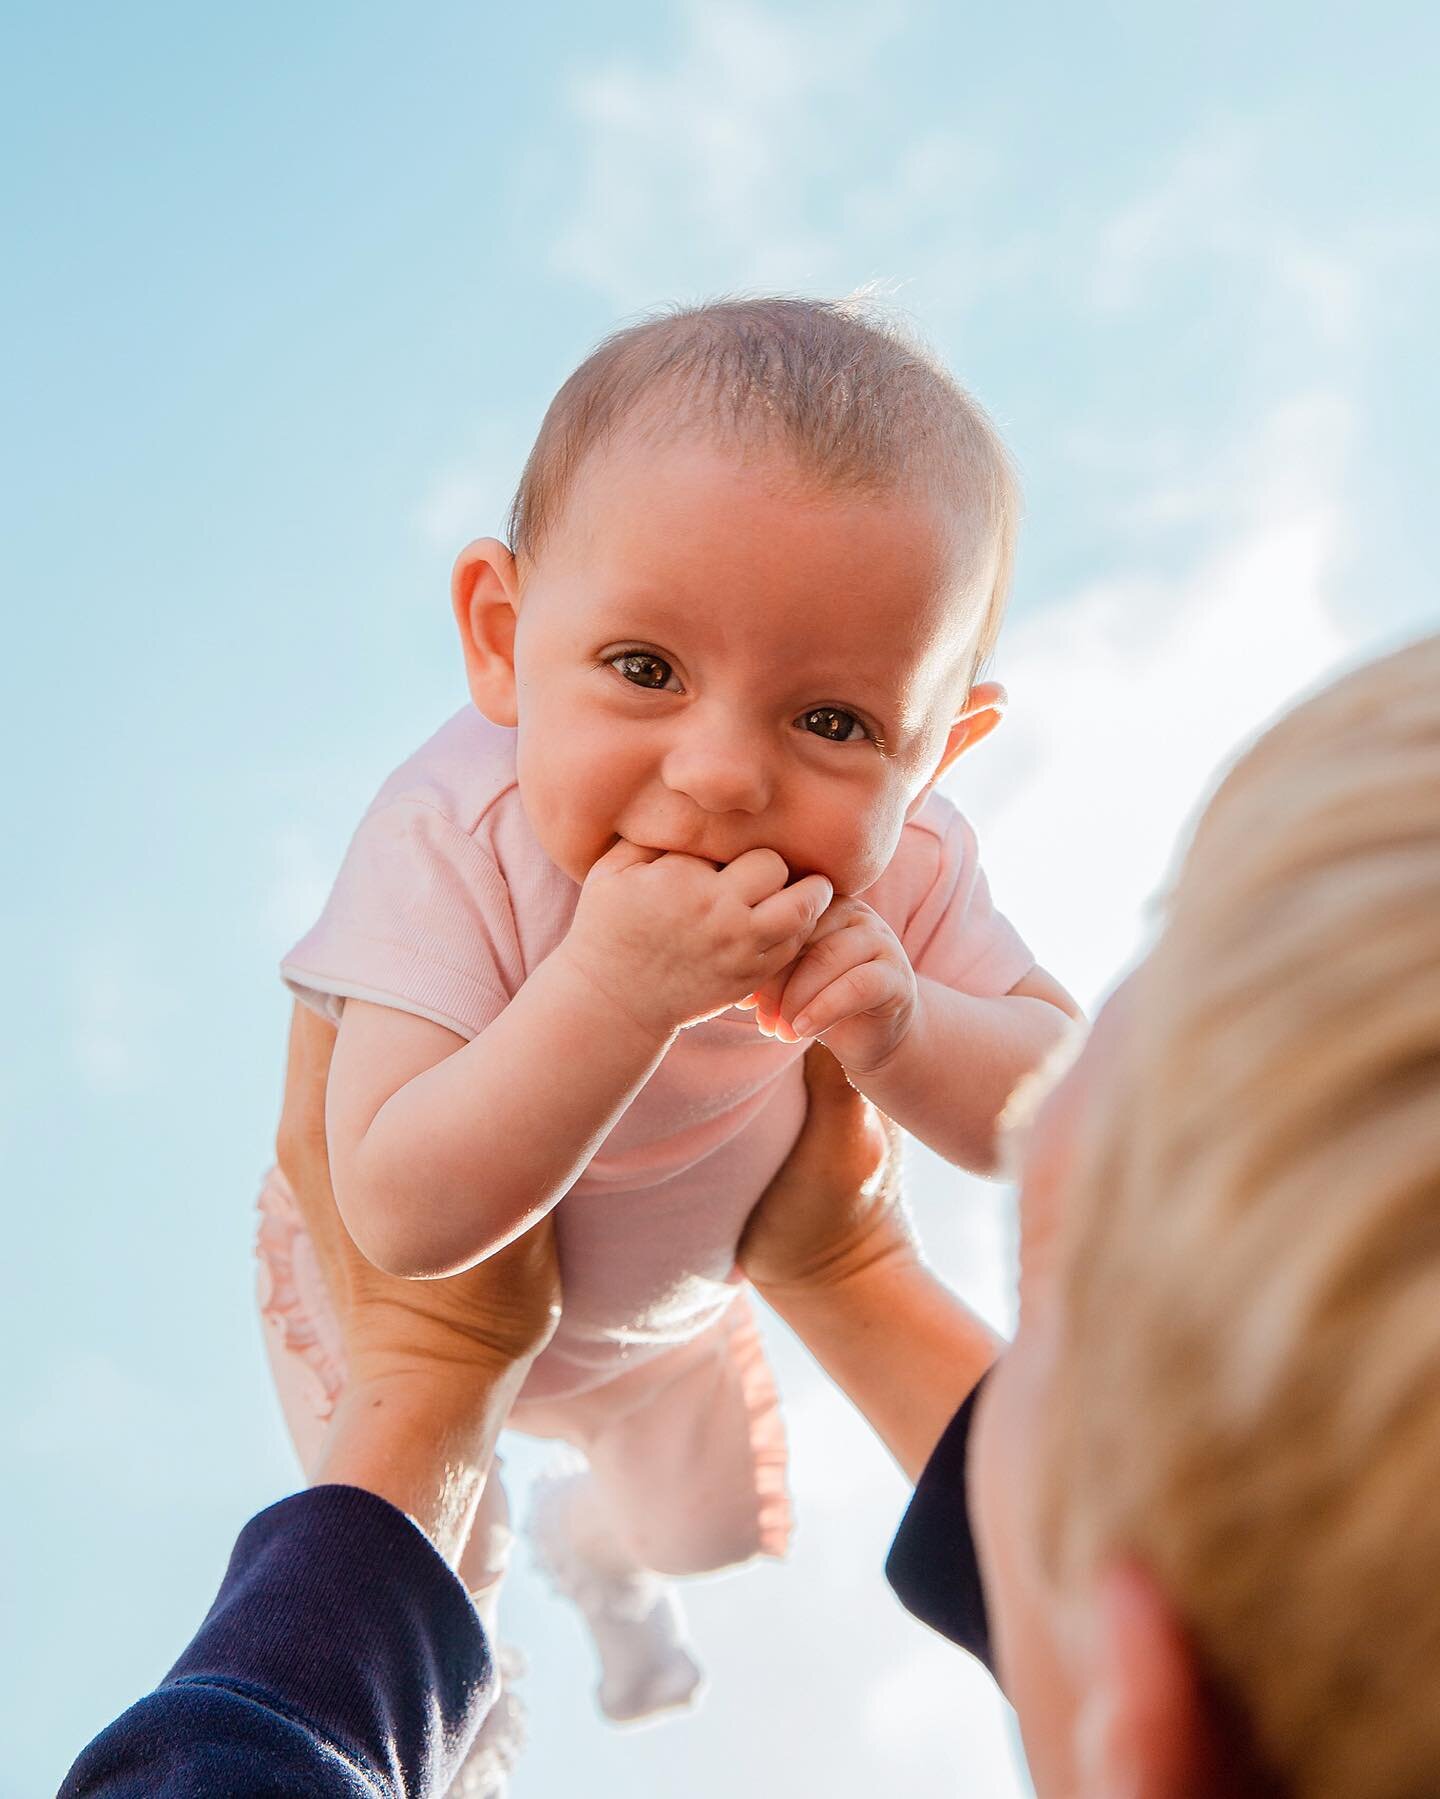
point(634, 1616)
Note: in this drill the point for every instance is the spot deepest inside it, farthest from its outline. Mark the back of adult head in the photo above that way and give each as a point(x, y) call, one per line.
point(1247, 1394)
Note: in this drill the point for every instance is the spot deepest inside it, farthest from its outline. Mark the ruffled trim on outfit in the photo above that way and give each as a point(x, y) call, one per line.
point(294, 1300)
point(774, 1516)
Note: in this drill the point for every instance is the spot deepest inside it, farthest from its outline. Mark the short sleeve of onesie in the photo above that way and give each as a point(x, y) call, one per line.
point(420, 918)
point(952, 931)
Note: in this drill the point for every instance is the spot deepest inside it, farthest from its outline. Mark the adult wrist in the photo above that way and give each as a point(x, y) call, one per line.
point(832, 1280)
point(422, 1439)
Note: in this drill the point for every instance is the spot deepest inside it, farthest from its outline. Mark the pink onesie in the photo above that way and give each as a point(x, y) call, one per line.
point(444, 904)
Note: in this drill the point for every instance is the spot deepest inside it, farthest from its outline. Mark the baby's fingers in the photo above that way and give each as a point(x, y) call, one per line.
point(822, 964)
point(792, 913)
point(623, 854)
point(764, 1002)
point(862, 989)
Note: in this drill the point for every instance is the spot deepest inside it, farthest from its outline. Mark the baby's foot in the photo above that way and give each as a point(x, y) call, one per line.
point(485, 1772)
point(634, 1616)
point(646, 1668)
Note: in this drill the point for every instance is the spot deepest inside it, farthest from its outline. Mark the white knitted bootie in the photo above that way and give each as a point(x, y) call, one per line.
point(633, 1614)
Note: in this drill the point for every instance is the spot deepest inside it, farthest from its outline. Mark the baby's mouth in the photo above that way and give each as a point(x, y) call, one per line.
point(704, 854)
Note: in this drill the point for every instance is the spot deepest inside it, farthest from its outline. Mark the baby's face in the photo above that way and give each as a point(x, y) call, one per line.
point(712, 655)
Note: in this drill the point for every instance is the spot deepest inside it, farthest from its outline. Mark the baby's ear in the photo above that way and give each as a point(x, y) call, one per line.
point(484, 590)
point(983, 710)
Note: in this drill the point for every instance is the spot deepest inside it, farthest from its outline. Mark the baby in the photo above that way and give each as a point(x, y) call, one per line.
point(758, 559)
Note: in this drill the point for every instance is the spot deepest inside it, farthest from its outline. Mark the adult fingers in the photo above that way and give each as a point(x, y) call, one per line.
point(842, 1116)
point(300, 1138)
point(523, 1286)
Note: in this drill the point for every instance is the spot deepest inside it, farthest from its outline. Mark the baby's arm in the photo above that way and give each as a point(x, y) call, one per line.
point(442, 1151)
point(942, 1063)
point(950, 1077)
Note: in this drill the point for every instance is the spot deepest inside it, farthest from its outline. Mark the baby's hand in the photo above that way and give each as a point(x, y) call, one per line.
point(852, 986)
point(672, 939)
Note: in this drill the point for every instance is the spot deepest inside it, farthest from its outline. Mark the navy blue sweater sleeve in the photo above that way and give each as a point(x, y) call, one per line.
point(932, 1565)
point(341, 1657)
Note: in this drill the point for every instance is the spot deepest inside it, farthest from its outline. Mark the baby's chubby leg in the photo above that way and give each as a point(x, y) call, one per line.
point(633, 1614)
point(686, 1476)
point(696, 1474)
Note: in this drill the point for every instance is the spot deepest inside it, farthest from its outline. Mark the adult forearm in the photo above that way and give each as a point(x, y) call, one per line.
point(477, 1148)
point(902, 1347)
point(341, 1657)
point(949, 1081)
point(424, 1440)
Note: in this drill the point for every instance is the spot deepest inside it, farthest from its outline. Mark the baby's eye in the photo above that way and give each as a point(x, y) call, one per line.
point(833, 724)
point(643, 669)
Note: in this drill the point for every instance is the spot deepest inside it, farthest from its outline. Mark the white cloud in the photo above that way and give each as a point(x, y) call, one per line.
point(1129, 693)
point(1220, 203)
point(470, 497)
point(1190, 209)
point(700, 170)
point(835, 1464)
point(935, 1715)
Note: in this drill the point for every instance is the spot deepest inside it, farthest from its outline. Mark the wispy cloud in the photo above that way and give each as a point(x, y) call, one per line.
point(1128, 693)
point(1215, 206)
point(470, 496)
point(933, 1717)
point(700, 169)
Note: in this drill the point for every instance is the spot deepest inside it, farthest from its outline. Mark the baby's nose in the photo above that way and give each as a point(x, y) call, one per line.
point(720, 771)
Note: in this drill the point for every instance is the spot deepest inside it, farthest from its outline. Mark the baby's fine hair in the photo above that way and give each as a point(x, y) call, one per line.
point(838, 384)
point(1247, 1396)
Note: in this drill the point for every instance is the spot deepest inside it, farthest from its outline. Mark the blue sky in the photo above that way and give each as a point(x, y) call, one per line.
point(287, 292)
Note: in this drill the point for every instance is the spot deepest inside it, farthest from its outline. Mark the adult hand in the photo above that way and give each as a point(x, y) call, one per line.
point(830, 1246)
point(500, 1312)
point(432, 1367)
point(835, 1208)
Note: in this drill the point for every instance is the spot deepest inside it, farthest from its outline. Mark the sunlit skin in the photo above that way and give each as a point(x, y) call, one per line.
point(730, 687)
point(1110, 1696)
point(713, 655)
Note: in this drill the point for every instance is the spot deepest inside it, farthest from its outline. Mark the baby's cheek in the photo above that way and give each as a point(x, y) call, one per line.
point(855, 853)
point(562, 821)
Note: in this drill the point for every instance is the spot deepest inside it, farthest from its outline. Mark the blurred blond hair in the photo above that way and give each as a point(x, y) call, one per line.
point(1248, 1389)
